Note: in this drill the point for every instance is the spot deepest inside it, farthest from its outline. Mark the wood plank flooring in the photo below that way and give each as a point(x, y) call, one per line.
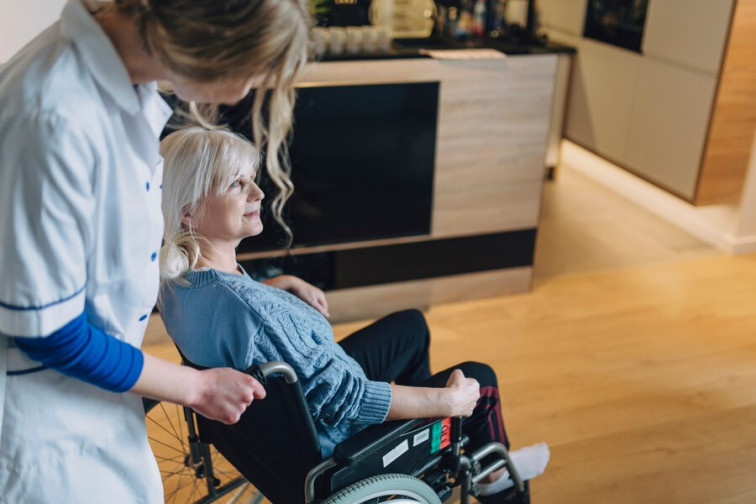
point(642, 381)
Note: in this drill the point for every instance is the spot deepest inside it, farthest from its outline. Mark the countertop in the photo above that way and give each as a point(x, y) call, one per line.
point(411, 48)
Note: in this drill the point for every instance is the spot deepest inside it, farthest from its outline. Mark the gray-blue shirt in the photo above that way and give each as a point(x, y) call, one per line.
point(224, 319)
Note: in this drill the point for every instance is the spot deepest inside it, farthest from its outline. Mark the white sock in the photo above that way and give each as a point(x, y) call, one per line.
point(530, 462)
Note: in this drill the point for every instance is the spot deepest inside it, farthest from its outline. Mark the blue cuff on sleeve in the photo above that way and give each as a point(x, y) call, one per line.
point(82, 351)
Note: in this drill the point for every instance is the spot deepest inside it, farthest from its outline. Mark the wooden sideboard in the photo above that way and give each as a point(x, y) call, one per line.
point(494, 123)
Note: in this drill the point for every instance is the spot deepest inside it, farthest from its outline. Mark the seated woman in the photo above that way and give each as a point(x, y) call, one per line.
point(219, 316)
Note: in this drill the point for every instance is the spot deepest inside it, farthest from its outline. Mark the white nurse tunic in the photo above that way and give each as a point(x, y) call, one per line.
point(80, 228)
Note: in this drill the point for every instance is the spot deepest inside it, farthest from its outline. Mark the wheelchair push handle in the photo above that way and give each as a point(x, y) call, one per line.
point(273, 367)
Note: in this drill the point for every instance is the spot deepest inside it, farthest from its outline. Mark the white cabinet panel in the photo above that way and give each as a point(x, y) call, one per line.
point(602, 93)
point(668, 125)
point(688, 32)
point(563, 15)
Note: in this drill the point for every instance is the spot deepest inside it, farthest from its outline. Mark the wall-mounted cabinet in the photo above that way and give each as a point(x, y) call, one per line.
point(680, 114)
point(667, 126)
point(601, 97)
point(690, 33)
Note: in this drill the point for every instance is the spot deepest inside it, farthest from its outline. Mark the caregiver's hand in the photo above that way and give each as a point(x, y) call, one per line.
point(224, 394)
point(219, 393)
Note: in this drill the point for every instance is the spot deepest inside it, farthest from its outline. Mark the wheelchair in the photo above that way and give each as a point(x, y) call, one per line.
point(274, 447)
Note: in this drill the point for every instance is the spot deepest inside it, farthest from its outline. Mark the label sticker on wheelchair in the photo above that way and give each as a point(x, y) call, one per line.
point(394, 454)
point(421, 437)
point(440, 435)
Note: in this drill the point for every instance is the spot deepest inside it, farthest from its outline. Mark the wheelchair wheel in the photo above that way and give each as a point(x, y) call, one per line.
point(386, 488)
point(192, 472)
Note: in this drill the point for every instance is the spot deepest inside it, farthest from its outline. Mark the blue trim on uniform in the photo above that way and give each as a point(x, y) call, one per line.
point(26, 371)
point(42, 307)
point(83, 351)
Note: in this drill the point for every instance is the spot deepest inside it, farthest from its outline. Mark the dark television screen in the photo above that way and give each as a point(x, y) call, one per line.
point(362, 165)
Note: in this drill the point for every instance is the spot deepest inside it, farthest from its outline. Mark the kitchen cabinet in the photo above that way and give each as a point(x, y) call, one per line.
point(601, 97)
point(690, 33)
point(493, 126)
point(668, 124)
point(680, 114)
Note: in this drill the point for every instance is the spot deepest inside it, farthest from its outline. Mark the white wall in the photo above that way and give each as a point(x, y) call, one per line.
point(21, 20)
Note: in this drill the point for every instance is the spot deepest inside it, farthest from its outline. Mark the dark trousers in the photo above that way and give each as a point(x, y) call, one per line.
point(396, 349)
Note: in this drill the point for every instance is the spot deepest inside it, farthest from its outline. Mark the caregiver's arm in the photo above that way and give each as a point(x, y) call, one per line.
point(82, 351)
point(458, 398)
point(219, 393)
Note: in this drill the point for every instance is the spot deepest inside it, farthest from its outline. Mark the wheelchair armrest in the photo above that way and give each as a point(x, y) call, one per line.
point(374, 438)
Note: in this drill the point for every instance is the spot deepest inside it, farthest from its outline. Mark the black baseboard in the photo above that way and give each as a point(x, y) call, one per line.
point(361, 267)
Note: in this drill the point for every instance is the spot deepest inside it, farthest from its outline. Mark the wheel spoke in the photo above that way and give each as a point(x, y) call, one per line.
point(168, 436)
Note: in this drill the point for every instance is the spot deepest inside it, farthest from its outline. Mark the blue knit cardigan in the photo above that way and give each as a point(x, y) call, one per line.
point(224, 319)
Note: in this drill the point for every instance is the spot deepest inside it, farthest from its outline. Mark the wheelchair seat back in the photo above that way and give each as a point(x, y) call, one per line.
point(273, 445)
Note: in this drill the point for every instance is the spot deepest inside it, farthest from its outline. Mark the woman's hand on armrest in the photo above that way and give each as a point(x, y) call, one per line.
point(458, 399)
point(221, 394)
point(465, 393)
point(303, 290)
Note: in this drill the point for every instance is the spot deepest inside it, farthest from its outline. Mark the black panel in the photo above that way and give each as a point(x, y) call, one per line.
point(415, 261)
point(411, 261)
point(318, 269)
point(362, 164)
point(616, 22)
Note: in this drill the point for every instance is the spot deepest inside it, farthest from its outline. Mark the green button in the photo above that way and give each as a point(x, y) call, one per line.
point(436, 430)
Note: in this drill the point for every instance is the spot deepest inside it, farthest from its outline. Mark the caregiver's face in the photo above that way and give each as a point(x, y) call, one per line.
point(223, 91)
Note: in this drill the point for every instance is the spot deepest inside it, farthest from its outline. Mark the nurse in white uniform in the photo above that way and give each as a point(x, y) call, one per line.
point(80, 230)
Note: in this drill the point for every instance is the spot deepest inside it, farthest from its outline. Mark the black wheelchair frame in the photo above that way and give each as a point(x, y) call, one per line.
point(276, 448)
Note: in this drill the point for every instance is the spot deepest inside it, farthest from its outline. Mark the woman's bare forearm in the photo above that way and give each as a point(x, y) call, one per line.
point(418, 402)
point(458, 398)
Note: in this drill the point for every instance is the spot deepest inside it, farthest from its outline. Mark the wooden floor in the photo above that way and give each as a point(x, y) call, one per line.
point(634, 357)
point(642, 381)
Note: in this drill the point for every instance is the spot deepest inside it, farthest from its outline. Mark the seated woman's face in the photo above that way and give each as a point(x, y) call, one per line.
point(235, 213)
